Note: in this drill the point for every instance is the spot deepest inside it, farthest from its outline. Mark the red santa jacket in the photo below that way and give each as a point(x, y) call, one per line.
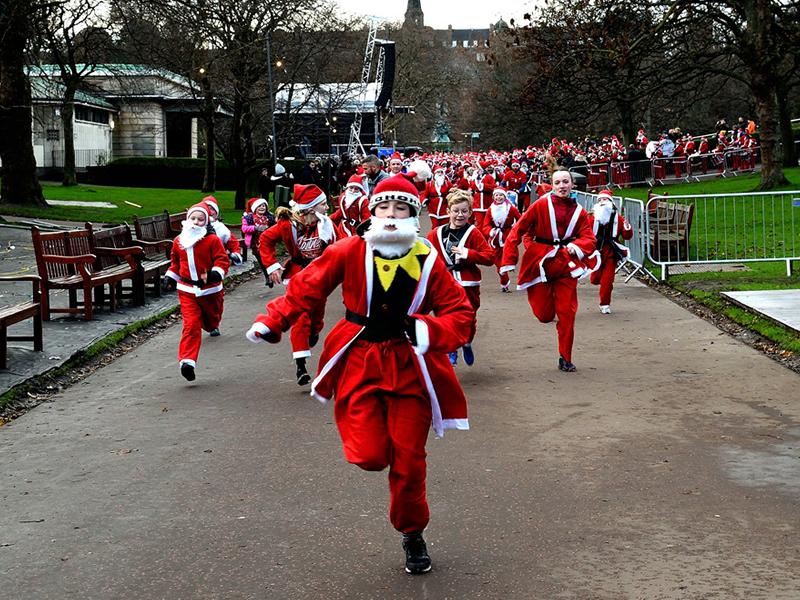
point(620, 230)
point(351, 264)
point(229, 241)
point(515, 180)
point(348, 219)
point(301, 247)
point(485, 186)
point(542, 259)
point(465, 272)
point(500, 219)
point(436, 198)
point(190, 266)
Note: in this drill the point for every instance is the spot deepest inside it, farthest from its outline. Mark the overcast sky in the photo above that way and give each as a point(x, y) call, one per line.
point(462, 14)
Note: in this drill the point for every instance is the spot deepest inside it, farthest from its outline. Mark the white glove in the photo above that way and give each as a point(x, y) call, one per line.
point(255, 332)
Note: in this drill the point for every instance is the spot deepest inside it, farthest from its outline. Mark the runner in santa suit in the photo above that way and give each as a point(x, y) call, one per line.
point(395, 164)
point(484, 187)
point(306, 231)
point(232, 245)
point(462, 247)
point(559, 248)
point(353, 206)
point(199, 264)
point(385, 363)
point(610, 229)
point(500, 218)
point(435, 196)
point(516, 180)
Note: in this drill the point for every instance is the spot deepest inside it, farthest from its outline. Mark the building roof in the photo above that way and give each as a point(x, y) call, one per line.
point(117, 70)
point(45, 90)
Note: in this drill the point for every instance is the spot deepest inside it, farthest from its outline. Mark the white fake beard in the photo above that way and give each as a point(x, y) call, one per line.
point(439, 179)
point(191, 234)
point(350, 197)
point(602, 212)
point(392, 243)
point(500, 212)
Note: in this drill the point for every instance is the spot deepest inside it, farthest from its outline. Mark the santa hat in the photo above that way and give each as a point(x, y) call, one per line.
point(437, 168)
point(605, 195)
point(306, 196)
point(211, 203)
point(357, 181)
point(397, 188)
point(514, 163)
point(197, 207)
point(419, 169)
point(395, 156)
point(253, 204)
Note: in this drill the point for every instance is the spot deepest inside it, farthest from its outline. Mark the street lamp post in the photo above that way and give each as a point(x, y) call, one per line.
point(271, 102)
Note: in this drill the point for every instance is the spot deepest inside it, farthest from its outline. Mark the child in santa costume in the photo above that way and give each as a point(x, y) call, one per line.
point(305, 231)
point(500, 219)
point(462, 248)
point(256, 219)
point(435, 197)
point(610, 229)
point(228, 240)
point(559, 248)
point(385, 363)
point(199, 264)
point(353, 206)
point(483, 196)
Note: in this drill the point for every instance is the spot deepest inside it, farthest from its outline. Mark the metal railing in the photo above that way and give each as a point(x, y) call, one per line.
point(83, 158)
point(723, 228)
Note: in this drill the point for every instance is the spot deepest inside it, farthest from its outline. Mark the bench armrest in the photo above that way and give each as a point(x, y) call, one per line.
point(34, 279)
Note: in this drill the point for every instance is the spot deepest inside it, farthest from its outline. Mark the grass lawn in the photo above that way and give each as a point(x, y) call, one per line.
point(152, 201)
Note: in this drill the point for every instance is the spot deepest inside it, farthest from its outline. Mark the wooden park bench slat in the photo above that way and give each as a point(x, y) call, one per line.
point(14, 314)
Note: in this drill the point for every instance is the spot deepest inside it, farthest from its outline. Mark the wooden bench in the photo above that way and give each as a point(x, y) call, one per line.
point(10, 315)
point(65, 261)
point(152, 262)
point(153, 229)
point(670, 224)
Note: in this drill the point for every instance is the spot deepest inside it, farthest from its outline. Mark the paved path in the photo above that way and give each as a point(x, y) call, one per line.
point(782, 306)
point(667, 467)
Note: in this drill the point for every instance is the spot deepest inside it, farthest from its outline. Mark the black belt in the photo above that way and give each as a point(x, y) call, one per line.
point(197, 282)
point(550, 242)
point(356, 318)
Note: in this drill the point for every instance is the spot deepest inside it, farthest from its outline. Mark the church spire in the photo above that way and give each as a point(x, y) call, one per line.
point(414, 16)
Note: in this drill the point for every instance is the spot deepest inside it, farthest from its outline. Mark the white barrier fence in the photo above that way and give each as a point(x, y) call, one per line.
point(723, 228)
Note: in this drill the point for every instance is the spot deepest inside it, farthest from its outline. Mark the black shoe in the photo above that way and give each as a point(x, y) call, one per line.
point(214, 332)
point(303, 378)
point(417, 559)
point(313, 339)
point(187, 371)
point(565, 365)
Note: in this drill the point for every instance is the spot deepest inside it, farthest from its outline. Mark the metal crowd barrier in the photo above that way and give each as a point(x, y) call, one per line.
point(633, 211)
point(723, 228)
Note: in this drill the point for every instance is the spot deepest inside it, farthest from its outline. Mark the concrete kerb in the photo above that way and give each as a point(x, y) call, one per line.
point(29, 391)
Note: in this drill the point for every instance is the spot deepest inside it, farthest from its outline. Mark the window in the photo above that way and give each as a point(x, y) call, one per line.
point(53, 135)
point(465, 43)
point(93, 115)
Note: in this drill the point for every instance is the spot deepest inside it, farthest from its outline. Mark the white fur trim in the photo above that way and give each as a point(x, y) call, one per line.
point(578, 251)
point(273, 267)
point(198, 291)
point(187, 361)
point(301, 354)
point(255, 332)
point(173, 275)
point(192, 265)
point(507, 269)
point(312, 204)
point(462, 424)
point(469, 283)
point(319, 397)
point(423, 336)
point(219, 270)
point(436, 410)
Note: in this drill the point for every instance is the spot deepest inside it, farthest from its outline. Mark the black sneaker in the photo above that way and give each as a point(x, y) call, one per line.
point(417, 559)
point(565, 365)
point(187, 371)
point(214, 332)
point(303, 378)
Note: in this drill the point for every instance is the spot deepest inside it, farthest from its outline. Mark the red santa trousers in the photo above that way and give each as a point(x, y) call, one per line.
point(604, 277)
point(474, 297)
point(308, 324)
point(498, 262)
point(557, 298)
point(383, 414)
point(199, 313)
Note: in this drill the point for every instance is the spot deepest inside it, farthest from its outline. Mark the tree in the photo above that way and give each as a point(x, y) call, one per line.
point(752, 31)
point(74, 39)
point(20, 184)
